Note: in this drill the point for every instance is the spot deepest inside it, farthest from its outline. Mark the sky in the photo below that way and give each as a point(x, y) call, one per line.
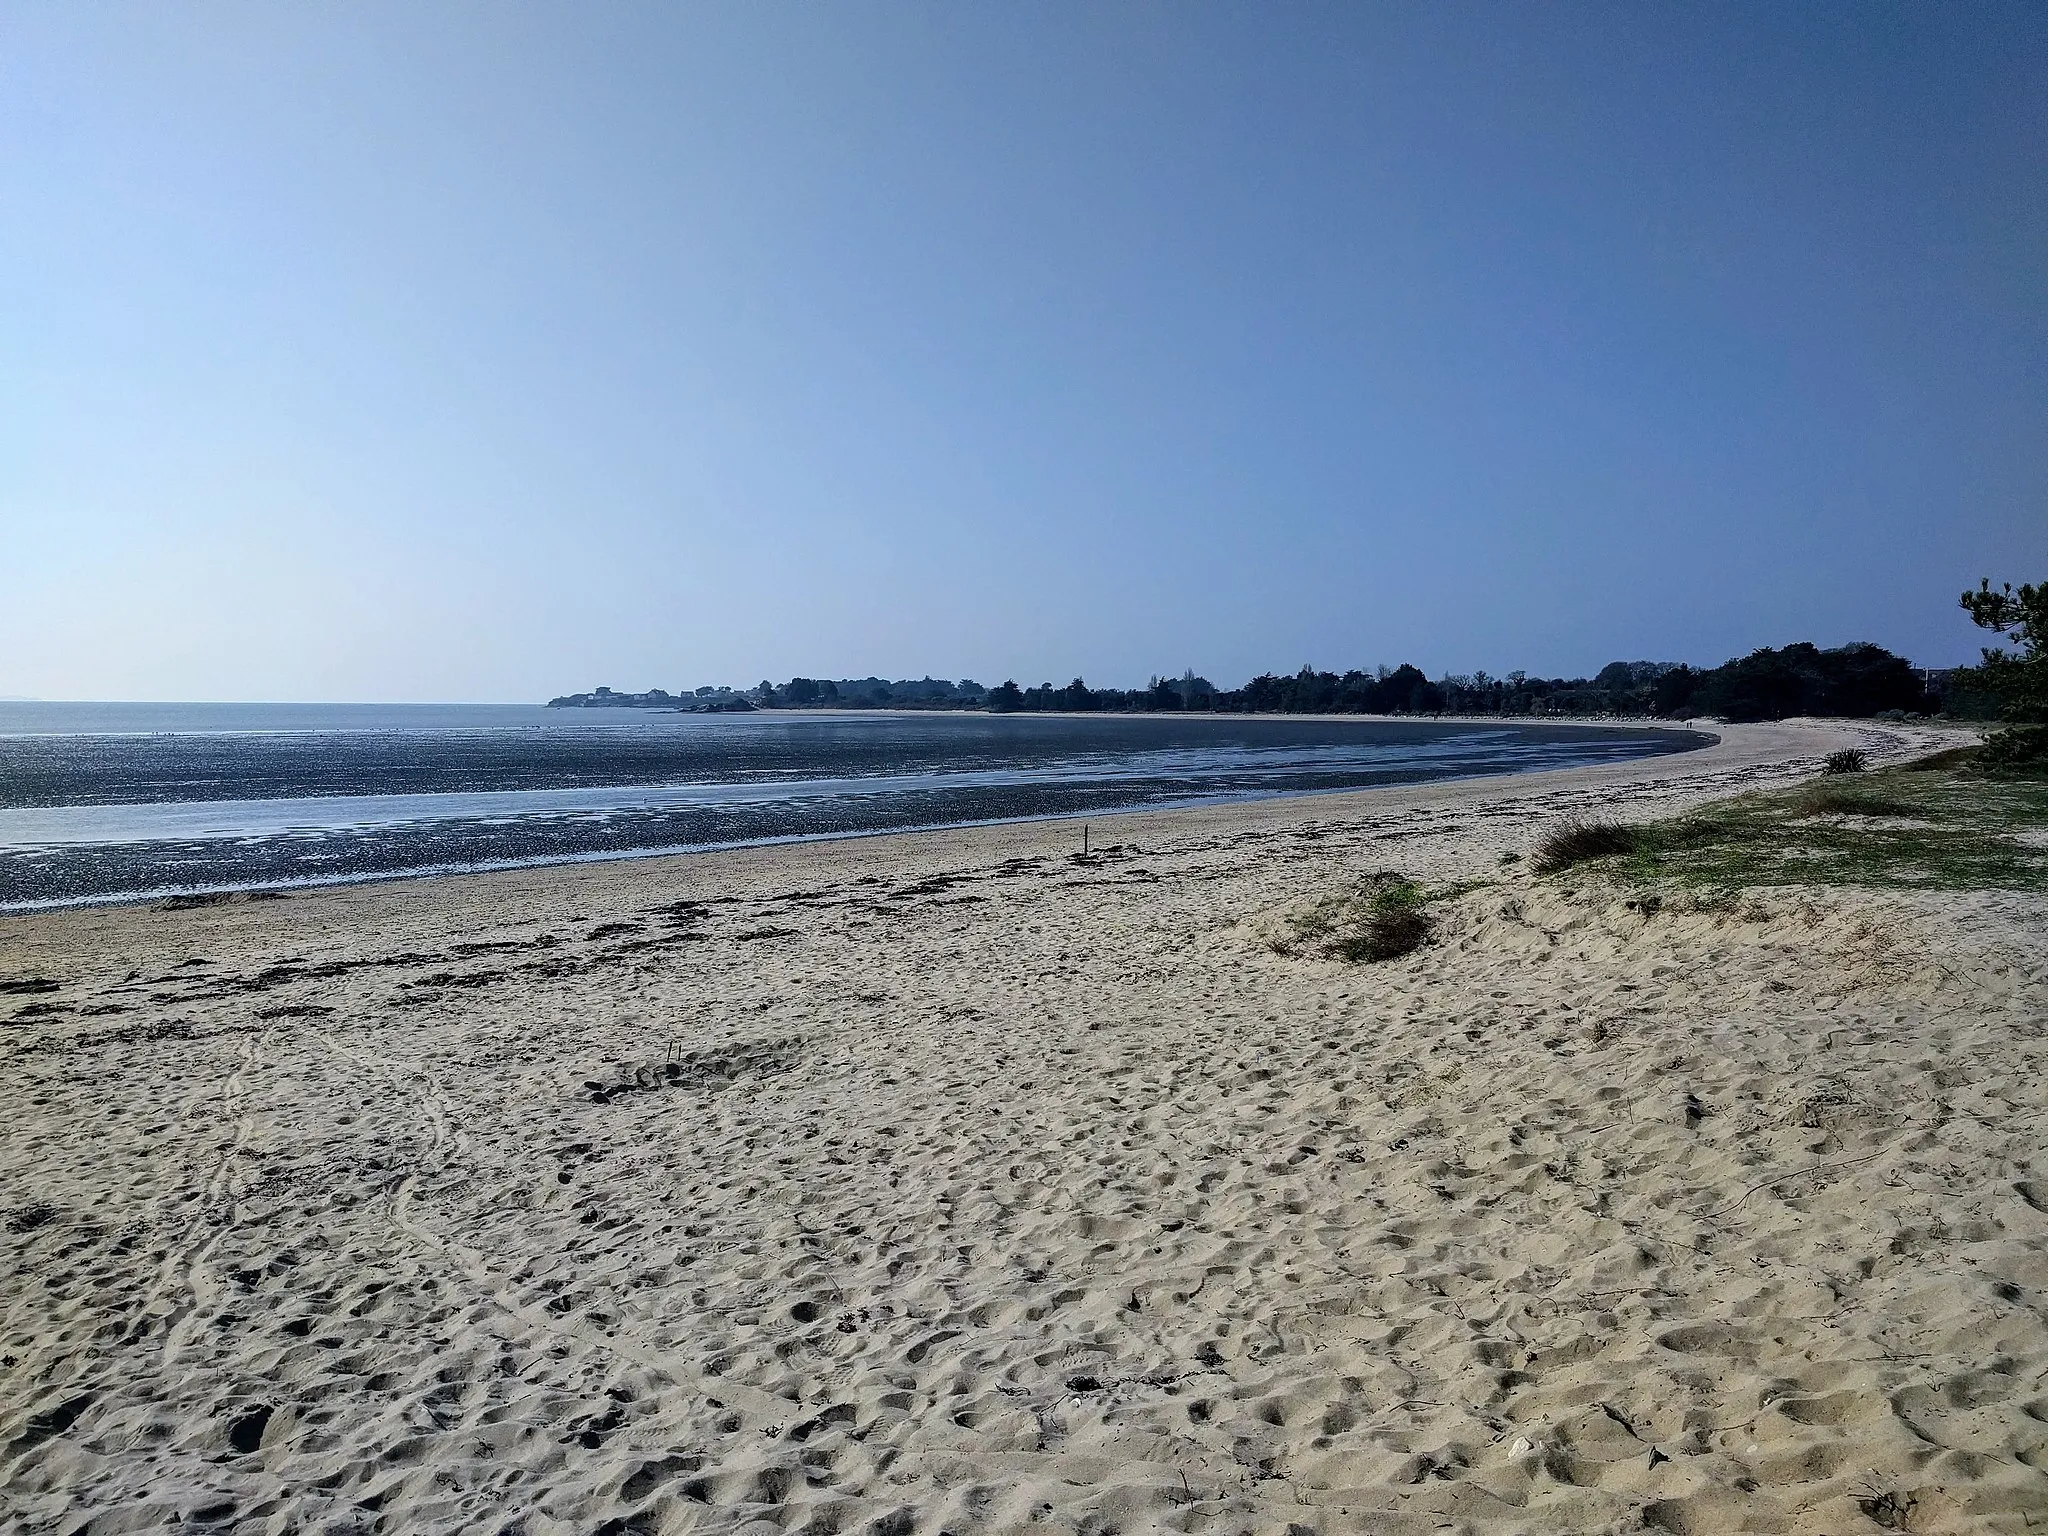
point(491, 351)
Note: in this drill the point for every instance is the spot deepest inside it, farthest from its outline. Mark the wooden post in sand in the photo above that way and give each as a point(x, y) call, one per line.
point(1084, 839)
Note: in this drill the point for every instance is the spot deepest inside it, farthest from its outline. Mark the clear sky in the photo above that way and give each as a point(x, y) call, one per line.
point(487, 351)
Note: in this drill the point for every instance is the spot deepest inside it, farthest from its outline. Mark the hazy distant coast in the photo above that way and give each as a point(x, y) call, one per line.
point(706, 701)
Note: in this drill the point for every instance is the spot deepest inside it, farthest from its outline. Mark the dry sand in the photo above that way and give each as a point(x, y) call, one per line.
point(948, 1182)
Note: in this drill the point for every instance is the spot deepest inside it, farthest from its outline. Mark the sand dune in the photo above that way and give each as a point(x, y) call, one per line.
point(955, 1182)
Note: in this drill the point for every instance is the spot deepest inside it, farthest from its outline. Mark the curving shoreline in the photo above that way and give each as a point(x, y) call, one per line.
point(226, 815)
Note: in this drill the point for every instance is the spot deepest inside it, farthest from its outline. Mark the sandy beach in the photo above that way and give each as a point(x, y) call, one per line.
point(957, 1182)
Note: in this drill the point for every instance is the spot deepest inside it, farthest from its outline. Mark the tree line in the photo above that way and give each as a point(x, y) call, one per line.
point(1767, 684)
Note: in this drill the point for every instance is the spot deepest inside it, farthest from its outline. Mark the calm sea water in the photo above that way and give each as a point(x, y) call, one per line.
point(106, 802)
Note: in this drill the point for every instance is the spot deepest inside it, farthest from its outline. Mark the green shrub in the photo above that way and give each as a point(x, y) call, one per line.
point(2016, 749)
point(1848, 760)
point(2019, 676)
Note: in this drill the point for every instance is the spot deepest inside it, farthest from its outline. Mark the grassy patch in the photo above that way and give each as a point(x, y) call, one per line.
point(1941, 762)
point(1827, 798)
point(1383, 919)
point(1940, 827)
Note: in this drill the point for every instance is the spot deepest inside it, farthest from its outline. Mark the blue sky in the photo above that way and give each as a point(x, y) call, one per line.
point(488, 351)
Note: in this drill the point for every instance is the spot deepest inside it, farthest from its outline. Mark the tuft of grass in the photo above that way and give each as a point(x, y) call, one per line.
point(1848, 760)
point(1383, 919)
point(1576, 842)
point(1394, 924)
point(1386, 936)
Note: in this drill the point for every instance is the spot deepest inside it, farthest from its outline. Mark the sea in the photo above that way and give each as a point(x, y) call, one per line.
point(127, 802)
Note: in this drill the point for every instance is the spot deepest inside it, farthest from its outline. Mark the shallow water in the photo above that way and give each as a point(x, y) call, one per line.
point(101, 802)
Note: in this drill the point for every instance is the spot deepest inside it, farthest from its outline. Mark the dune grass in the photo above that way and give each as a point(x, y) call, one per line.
point(1578, 842)
point(1828, 798)
point(1929, 826)
point(1383, 919)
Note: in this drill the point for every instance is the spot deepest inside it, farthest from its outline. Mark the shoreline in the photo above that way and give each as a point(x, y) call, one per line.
point(955, 1181)
point(300, 884)
point(1736, 749)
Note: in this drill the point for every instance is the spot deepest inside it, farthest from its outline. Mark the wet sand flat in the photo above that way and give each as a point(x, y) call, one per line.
point(957, 1182)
